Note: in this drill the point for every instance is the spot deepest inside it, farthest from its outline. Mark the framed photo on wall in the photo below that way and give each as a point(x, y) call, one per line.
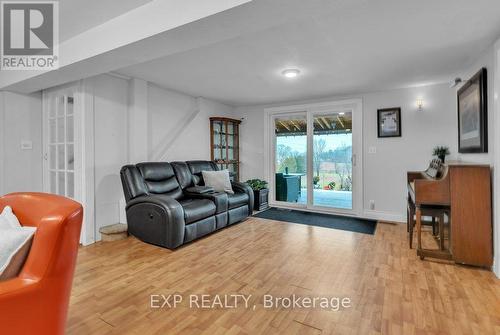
point(472, 115)
point(389, 122)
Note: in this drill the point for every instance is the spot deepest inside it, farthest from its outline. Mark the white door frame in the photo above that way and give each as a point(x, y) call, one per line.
point(354, 105)
point(84, 149)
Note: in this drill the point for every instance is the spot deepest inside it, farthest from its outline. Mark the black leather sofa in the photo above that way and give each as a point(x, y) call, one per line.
point(163, 209)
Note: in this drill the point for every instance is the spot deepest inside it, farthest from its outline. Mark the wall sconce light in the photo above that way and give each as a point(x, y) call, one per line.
point(420, 104)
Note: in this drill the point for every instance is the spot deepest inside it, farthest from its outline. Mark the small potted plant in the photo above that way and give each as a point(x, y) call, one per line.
point(260, 192)
point(441, 152)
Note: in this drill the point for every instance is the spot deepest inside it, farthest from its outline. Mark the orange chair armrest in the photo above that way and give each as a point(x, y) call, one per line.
point(16, 287)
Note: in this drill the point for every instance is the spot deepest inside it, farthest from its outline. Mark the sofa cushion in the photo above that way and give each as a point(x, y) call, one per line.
point(199, 228)
point(237, 200)
point(132, 182)
point(219, 180)
point(237, 214)
point(197, 167)
point(197, 209)
point(183, 174)
point(160, 178)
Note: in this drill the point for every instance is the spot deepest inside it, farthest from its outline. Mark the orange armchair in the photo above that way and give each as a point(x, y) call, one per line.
point(36, 301)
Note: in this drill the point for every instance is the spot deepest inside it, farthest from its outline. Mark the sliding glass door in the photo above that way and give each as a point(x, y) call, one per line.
point(313, 157)
point(290, 158)
point(332, 160)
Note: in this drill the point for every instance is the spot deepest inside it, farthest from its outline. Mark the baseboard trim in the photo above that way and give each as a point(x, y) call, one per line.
point(384, 216)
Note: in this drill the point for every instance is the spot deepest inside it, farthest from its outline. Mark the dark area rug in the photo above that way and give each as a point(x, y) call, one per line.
point(356, 225)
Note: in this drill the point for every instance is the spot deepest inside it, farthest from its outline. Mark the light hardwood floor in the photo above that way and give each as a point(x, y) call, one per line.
point(391, 290)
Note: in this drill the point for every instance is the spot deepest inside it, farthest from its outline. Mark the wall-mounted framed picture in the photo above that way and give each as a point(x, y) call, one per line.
point(389, 122)
point(473, 115)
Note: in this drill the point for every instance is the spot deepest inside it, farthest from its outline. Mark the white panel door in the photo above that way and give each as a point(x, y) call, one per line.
point(60, 145)
point(61, 164)
point(68, 148)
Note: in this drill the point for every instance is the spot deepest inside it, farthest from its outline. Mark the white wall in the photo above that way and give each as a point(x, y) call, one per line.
point(177, 128)
point(111, 146)
point(20, 120)
point(384, 173)
point(179, 124)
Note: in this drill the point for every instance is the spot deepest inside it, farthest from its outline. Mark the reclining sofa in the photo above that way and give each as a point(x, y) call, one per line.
point(164, 209)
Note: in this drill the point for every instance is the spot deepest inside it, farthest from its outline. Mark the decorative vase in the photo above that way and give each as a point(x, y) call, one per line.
point(442, 157)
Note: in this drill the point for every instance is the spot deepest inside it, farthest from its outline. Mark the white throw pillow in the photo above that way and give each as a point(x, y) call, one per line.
point(8, 218)
point(219, 180)
point(15, 244)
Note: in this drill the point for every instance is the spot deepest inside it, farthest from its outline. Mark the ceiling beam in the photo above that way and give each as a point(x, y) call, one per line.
point(341, 123)
point(284, 125)
point(318, 121)
point(326, 123)
point(167, 27)
point(295, 125)
point(119, 42)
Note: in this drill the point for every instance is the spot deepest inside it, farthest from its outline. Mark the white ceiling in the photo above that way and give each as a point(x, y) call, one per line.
point(350, 47)
point(77, 16)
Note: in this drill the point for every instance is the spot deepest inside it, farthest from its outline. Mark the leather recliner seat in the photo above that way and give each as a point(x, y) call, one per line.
point(163, 210)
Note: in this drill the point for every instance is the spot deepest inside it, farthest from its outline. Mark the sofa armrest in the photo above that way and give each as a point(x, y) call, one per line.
point(219, 199)
point(244, 188)
point(156, 219)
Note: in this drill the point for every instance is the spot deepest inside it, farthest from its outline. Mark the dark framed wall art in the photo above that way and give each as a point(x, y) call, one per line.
point(389, 122)
point(473, 115)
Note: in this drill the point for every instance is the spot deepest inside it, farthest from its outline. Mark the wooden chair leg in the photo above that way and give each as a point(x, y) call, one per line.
point(441, 232)
point(412, 225)
point(408, 218)
point(448, 215)
point(419, 231)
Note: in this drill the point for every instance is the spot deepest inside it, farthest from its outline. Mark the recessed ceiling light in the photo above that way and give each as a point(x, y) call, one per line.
point(291, 73)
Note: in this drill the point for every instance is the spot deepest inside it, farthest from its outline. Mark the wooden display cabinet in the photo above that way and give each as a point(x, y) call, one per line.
point(224, 144)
